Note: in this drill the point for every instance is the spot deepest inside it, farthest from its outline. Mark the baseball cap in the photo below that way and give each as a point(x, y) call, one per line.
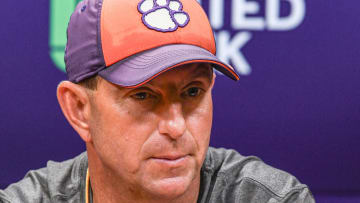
point(130, 42)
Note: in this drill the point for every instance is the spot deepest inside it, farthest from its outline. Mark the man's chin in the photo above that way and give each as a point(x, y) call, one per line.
point(170, 188)
point(169, 180)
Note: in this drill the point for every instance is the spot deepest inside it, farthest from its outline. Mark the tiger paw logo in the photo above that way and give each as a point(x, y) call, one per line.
point(163, 15)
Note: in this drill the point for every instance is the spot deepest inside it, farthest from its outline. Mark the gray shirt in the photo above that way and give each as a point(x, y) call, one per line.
point(226, 177)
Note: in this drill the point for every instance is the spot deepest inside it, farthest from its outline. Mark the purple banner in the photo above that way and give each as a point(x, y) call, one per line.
point(296, 106)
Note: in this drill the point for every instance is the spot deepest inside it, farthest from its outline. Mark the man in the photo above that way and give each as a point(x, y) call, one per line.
point(139, 95)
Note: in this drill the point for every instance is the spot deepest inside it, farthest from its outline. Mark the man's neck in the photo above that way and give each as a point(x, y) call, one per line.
point(102, 197)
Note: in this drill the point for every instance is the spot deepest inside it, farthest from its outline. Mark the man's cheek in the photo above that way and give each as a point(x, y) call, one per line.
point(199, 124)
point(201, 117)
point(125, 158)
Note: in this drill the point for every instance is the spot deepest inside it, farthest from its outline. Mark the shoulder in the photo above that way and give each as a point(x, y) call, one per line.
point(57, 181)
point(236, 178)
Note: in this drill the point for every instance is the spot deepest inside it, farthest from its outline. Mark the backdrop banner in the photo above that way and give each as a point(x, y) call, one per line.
point(296, 106)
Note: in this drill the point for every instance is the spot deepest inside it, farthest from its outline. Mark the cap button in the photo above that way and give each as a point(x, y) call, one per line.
point(83, 8)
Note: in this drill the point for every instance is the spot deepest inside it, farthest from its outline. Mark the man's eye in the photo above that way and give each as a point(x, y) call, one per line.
point(141, 96)
point(193, 92)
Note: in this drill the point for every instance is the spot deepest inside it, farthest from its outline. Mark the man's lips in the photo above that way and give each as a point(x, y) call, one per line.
point(170, 157)
point(173, 160)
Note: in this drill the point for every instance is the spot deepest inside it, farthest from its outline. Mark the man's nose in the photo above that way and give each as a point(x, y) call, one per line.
point(172, 122)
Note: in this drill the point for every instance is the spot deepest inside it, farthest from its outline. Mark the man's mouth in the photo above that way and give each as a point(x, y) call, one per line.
point(172, 160)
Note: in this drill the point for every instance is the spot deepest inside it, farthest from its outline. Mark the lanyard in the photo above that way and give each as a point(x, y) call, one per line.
point(87, 190)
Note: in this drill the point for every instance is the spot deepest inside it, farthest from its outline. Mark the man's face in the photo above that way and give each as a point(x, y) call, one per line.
point(154, 138)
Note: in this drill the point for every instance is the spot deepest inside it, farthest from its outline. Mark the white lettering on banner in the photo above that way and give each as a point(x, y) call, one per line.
point(216, 13)
point(240, 10)
point(275, 22)
point(229, 50)
point(245, 15)
point(272, 21)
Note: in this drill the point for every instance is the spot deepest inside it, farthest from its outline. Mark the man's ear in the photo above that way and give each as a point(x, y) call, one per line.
point(75, 104)
point(213, 80)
